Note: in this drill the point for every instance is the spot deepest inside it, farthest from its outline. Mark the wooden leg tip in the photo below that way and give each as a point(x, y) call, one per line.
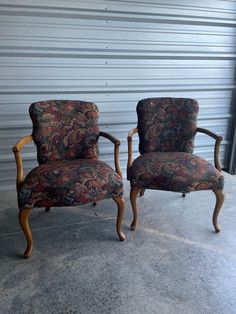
point(27, 253)
point(133, 227)
point(217, 229)
point(121, 237)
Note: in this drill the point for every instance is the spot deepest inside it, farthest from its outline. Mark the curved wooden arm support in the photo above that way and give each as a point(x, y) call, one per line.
point(130, 149)
point(211, 134)
point(217, 145)
point(116, 143)
point(19, 163)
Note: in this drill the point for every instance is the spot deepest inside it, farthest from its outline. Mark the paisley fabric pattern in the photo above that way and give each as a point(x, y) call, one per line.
point(65, 130)
point(69, 183)
point(167, 124)
point(174, 171)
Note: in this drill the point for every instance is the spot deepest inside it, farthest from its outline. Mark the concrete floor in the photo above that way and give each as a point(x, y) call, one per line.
point(173, 262)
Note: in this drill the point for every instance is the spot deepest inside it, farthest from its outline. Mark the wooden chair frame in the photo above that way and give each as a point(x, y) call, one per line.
point(24, 213)
point(219, 194)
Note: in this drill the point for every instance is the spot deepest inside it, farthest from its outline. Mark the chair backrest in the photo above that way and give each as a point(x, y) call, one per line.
point(65, 129)
point(167, 124)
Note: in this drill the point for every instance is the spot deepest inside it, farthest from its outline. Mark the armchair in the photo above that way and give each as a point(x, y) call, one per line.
point(166, 129)
point(66, 134)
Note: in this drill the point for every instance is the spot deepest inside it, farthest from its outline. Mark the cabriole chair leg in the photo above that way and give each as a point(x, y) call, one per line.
point(47, 209)
point(23, 219)
point(121, 209)
point(219, 202)
point(133, 196)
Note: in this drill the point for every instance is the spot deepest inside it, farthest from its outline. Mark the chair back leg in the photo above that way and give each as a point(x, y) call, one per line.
point(142, 191)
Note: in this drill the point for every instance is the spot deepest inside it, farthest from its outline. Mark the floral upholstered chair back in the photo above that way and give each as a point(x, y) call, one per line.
point(167, 124)
point(65, 130)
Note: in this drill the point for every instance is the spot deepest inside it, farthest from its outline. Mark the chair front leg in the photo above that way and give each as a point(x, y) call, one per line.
point(219, 202)
point(121, 209)
point(23, 219)
point(133, 196)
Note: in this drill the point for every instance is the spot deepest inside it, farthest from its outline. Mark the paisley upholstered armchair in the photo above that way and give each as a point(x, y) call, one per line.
point(166, 129)
point(69, 173)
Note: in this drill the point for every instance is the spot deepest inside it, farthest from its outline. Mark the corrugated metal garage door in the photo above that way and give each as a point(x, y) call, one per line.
point(114, 53)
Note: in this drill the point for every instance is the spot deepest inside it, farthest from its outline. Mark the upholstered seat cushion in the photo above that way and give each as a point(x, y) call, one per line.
point(66, 183)
point(174, 171)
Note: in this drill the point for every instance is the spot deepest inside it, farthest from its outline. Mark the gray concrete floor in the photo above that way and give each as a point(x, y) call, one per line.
point(172, 263)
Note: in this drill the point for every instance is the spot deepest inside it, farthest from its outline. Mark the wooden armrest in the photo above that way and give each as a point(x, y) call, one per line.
point(110, 137)
point(211, 134)
point(21, 143)
point(217, 145)
point(130, 149)
point(116, 143)
point(131, 133)
point(19, 163)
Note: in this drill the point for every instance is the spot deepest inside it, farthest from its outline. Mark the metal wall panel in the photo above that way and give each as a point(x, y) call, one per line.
point(114, 53)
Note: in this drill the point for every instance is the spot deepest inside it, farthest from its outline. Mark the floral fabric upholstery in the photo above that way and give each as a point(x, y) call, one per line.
point(167, 124)
point(174, 171)
point(69, 183)
point(65, 130)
